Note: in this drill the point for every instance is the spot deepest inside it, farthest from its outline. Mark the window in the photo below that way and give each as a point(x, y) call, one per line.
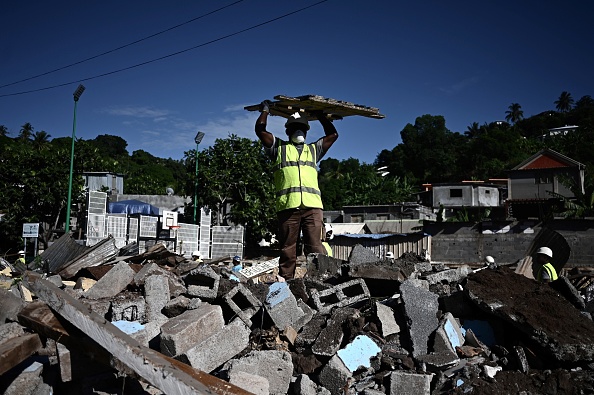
point(456, 192)
point(543, 180)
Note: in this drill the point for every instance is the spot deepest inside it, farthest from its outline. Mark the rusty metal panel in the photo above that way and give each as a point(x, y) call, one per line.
point(100, 253)
point(61, 251)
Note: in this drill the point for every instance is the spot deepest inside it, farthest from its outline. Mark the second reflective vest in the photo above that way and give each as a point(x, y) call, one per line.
point(296, 177)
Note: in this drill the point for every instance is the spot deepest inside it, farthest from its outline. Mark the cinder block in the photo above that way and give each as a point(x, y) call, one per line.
point(241, 301)
point(112, 283)
point(334, 376)
point(181, 333)
point(176, 285)
point(128, 307)
point(276, 366)
point(281, 306)
point(252, 383)
point(156, 294)
point(203, 282)
point(101, 307)
point(410, 383)
point(177, 306)
point(341, 295)
point(359, 353)
point(219, 347)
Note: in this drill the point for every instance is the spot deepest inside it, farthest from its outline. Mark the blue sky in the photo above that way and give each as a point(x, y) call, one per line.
point(465, 60)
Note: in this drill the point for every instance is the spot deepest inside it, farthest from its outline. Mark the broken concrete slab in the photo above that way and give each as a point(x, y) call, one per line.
point(421, 308)
point(328, 342)
point(203, 282)
point(156, 294)
point(359, 353)
point(275, 366)
point(10, 305)
point(282, 306)
point(181, 333)
point(410, 383)
point(387, 319)
point(230, 341)
point(114, 282)
point(255, 384)
point(335, 376)
point(129, 307)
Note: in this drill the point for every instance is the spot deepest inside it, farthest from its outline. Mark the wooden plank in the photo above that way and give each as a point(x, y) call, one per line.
point(17, 350)
point(334, 109)
point(170, 377)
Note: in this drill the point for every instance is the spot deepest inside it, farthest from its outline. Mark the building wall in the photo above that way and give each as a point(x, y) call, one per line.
point(472, 196)
point(507, 242)
point(529, 184)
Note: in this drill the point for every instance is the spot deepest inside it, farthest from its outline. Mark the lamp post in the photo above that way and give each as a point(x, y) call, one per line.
point(197, 139)
point(77, 94)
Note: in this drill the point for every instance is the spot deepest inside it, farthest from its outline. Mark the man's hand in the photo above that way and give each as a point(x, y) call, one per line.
point(265, 106)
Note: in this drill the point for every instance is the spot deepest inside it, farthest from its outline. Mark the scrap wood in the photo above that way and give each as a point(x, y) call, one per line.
point(164, 373)
point(285, 106)
point(17, 350)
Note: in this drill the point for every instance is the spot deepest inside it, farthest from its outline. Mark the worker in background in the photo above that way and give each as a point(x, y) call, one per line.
point(545, 271)
point(298, 198)
point(237, 266)
point(196, 257)
point(21, 258)
point(490, 262)
point(328, 234)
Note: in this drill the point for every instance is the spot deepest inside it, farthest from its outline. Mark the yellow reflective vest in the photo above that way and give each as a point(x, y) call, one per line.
point(328, 248)
point(296, 177)
point(550, 269)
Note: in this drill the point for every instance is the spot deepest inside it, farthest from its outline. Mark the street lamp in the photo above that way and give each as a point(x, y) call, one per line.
point(197, 139)
point(77, 93)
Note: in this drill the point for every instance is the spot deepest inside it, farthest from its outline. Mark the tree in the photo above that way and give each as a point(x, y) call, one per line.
point(41, 139)
point(235, 181)
point(3, 131)
point(565, 102)
point(514, 113)
point(26, 132)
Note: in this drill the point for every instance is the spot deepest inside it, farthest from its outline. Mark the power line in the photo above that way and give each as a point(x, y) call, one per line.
point(121, 47)
point(170, 55)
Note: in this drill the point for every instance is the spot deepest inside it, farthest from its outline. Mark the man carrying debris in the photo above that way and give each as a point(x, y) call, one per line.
point(298, 199)
point(545, 272)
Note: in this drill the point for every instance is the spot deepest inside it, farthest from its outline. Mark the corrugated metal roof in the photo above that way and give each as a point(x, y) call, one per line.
point(61, 251)
point(348, 228)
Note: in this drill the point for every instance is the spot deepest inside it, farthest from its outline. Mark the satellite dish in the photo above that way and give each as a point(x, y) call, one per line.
point(170, 191)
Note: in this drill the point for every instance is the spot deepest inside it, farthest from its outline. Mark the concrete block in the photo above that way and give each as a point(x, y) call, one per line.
point(176, 285)
point(387, 319)
point(156, 294)
point(203, 282)
point(10, 306)
point(176, 306)
point(335, 376)
point(359, 353)
point(84, 283)
point(310, 332)
point(112, 283)
point(30, 381)
point(229, 341)
point(449, 275)
point(303, 385)
point(252, 383)
point(181, 333)
point(56, 279)
point(320, 265)
point(9, 331)
point(129, 307)
point(241, 301)
point(101, 307)
point(443, 355)
point(281, 306)
point(410, 383)
point(341, 295)
point(420, 306)
point(308, 314)
point(276, 366)
point(149, 331)
point(328, 341)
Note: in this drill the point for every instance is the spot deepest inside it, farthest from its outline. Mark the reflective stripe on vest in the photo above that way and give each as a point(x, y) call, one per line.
point(550, 271)
point(296, 177)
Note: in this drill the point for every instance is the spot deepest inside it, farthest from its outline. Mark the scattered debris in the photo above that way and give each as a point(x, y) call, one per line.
point(156, 323)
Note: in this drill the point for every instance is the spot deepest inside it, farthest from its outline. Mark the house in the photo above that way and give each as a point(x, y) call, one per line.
point(111, 183)
point(534, 183)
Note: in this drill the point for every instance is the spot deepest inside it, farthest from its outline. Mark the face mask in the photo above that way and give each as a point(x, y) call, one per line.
point(298, 137)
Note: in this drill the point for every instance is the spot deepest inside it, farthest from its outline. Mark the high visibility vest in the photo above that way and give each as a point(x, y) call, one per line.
point(328, 248)
point(296, 177)
point(550, 270)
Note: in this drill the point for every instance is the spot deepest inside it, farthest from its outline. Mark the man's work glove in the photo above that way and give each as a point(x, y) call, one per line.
point(265, 106)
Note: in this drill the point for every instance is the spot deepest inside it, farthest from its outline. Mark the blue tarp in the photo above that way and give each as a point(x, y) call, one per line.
point(132, 207)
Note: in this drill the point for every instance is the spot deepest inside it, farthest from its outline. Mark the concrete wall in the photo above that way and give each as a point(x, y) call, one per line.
point(508, 242)
point(472, 195)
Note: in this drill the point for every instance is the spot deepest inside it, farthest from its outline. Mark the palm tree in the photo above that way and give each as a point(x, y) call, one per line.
point(585, 102)
point(3, 131)
point(41, 138)
point(565, 102)
point(514, 113)
point(26, 131)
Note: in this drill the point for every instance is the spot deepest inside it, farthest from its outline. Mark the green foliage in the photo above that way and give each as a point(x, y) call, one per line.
point(235, 181)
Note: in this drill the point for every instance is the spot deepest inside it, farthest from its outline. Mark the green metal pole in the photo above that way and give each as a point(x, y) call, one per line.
point(71, 170)
point(196, 186)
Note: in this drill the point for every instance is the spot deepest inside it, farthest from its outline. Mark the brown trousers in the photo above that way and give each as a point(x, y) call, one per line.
point(291, 222)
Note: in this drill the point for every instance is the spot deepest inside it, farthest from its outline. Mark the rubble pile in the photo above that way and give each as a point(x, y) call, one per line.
point(157, 323)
